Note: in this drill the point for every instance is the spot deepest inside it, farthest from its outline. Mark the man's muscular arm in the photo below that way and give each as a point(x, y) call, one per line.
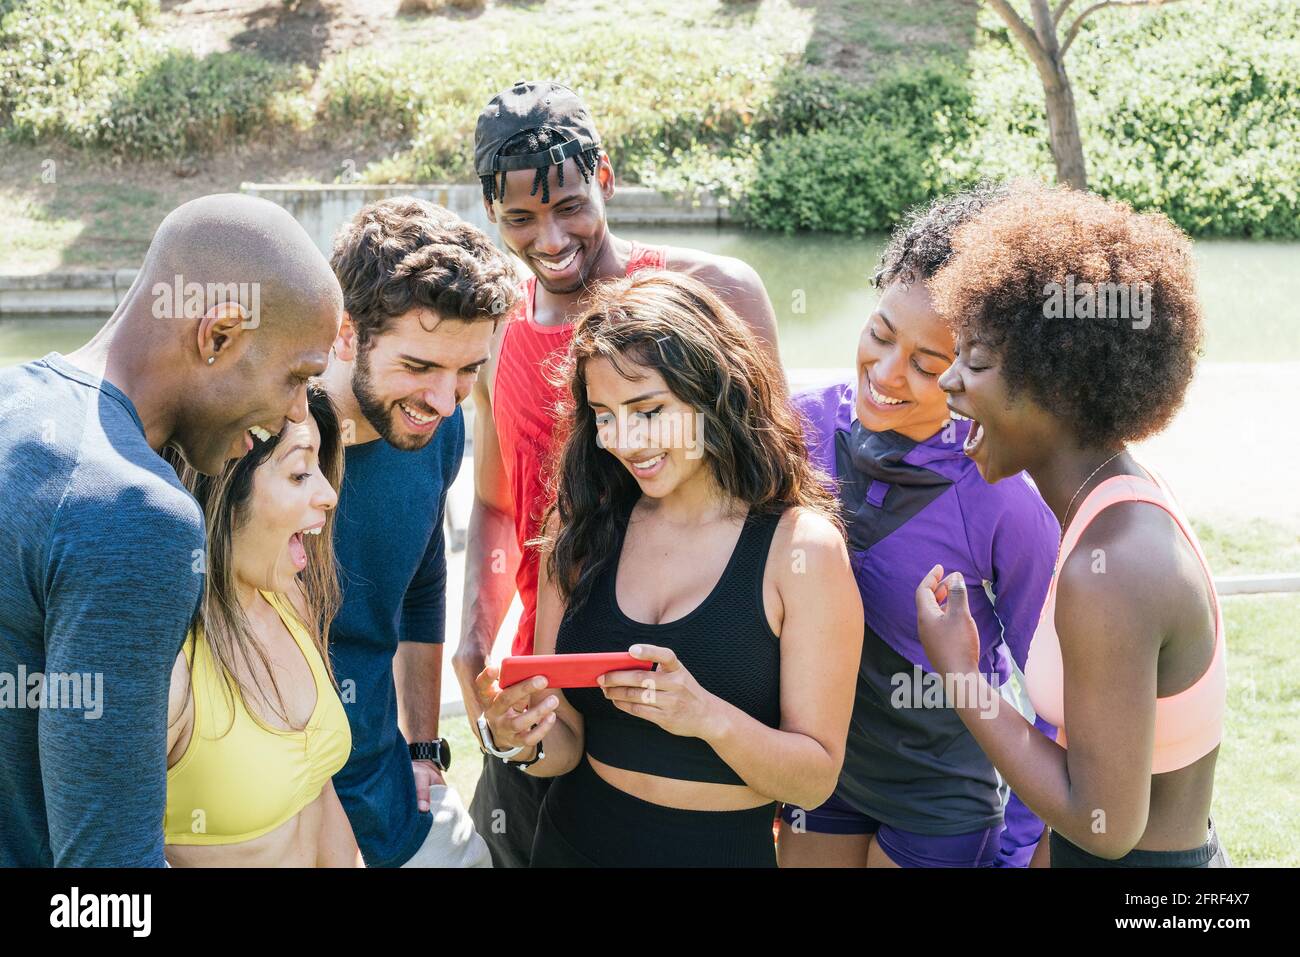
point(737, 284)
point(492, 551)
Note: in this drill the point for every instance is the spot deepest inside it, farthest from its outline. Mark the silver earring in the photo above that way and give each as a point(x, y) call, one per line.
point(211, 359)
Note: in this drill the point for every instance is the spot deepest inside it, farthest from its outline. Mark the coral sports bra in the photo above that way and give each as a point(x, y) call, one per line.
point(239, 778)
point(1189, 724)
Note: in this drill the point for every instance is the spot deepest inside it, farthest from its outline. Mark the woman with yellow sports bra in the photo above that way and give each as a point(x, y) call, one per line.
point(256, 729)
point(1077, 331)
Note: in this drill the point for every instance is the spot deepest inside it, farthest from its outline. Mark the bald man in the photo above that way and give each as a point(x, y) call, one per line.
point(101, 548)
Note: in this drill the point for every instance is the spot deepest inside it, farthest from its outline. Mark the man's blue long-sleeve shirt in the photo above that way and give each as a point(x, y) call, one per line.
point(101, 572)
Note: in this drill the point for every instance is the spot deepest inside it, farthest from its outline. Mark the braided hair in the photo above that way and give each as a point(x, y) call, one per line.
point(535, 141)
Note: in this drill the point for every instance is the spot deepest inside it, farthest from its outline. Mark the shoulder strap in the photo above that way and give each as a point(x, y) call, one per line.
point(1132, 488)
point(523, 310)
point(1112, 491)
point(518, 318)
point(646, 257)
point(756, 541)
point(292, 620)
point(528, 299)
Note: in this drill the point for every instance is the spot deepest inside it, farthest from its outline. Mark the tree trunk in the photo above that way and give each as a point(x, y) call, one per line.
point(1048, 57)
point(1063, 129)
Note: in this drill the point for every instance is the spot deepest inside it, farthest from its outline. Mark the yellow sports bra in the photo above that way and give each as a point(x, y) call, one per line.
point(239, 779)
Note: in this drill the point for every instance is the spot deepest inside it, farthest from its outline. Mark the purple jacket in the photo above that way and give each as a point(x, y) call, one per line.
point(910, 505)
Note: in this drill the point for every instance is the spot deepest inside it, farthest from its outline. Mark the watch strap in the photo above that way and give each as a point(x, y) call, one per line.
point(489, 745)
point(430, 751)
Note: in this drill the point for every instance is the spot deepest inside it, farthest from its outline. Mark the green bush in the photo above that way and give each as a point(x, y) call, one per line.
point(1193, 110)
point(856, 164)
point(1206, 124)
point(88, 72)
point(61, 61)
point(648, 97)
point(805, 100)
point(854, 179)
point(181, 104)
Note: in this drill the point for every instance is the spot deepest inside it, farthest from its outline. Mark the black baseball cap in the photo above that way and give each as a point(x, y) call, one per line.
point(530, 105)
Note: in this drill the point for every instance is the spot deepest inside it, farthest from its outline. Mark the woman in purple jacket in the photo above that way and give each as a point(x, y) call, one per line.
point(916, 789)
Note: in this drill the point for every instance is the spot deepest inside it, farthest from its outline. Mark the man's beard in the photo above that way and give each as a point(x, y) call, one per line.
point(379, 415)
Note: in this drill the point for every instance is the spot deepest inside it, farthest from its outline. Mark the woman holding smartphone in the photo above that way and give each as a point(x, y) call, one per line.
point(255, 727)
point(690, 530)
point(1129, 658)
point(916, 790)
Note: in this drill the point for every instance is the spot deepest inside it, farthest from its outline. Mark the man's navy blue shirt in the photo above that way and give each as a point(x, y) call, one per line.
point(389, 542)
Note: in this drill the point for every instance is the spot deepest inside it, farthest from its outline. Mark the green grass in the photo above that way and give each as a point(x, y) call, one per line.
point(68, 210)
point(1257, 547)
point(910, 31)
point(466, 762)
point(1256, 801)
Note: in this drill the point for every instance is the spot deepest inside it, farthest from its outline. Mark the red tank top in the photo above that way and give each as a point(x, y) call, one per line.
point(524, 408)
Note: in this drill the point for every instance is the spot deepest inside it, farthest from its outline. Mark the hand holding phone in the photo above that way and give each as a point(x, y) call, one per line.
point(568, 671)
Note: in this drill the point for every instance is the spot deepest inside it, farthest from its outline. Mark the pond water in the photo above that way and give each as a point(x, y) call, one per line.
point(23, 339)
point(820, 287)
point(1250, 291)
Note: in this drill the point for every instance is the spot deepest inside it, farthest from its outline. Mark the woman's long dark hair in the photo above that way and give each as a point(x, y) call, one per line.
point(752, 440)
point(225, 498)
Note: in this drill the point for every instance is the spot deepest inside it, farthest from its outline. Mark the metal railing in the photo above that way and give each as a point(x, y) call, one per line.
point(1256, 584)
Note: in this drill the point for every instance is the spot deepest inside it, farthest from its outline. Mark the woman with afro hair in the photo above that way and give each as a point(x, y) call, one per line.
point(1077, 328)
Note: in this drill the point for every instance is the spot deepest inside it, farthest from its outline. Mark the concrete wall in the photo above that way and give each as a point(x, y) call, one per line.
point(94, 293)
point(322, 210)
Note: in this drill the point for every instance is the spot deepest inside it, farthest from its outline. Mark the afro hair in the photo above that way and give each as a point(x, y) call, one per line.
point(1113, 375)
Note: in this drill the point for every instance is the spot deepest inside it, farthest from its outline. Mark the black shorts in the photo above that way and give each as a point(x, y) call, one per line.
point(1209, 854)
point(587, 822)
point(504, 810)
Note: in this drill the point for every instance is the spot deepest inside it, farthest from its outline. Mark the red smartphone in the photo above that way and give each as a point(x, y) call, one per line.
point(568, 671)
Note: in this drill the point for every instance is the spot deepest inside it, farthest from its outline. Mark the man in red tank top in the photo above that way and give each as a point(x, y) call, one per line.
point(546, 183)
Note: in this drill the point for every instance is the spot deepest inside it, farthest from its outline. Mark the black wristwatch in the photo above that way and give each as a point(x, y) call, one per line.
point(438, 751)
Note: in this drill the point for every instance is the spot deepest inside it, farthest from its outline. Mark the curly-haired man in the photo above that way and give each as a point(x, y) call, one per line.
point(423, 292)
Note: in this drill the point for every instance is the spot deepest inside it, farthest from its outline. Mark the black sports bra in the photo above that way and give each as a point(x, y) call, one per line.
point(725, 642)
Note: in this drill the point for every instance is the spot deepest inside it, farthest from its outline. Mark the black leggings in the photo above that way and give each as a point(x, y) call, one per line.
point(587, 822)
point(1209, 854)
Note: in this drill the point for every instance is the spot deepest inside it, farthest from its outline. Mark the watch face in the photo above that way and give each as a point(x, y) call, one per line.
point(443, 760)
